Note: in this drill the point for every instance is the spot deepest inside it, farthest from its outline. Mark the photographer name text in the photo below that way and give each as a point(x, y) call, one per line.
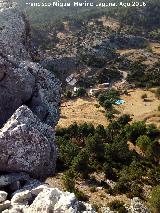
point(86, 4)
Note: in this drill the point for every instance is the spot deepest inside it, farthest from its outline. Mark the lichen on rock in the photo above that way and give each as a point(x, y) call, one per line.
point(27, 144)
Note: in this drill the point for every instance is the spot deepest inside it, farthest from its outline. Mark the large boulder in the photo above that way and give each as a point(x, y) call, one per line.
point(27, 145)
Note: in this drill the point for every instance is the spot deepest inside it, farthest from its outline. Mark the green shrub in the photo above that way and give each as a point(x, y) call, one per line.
point(109, 115)
point(136, 190)
point(135, 130)
point(124, 119)
point(154, 200)
point(143, 142)
point(117, 205)
point(67, 151)
point(69, 94)
point(68, 181)
point(80, 164)
point(100, 130)
point(97, 106)
point(107, 105)
point(122, 209)
point(109, 191)
point(121, 187)
point(81, 92)
point(81, 195)
point(152, 131)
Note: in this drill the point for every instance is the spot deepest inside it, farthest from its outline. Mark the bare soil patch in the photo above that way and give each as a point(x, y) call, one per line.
point(140, 109)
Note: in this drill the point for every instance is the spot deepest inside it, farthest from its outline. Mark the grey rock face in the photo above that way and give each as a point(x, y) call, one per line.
point(21, 198)
point(8, 179)
point(137, 206)
point(3, 196)
point(44, 199)
point(106, 210)
point(27, 145)
point(16, 87)
point(41, 199)
point(21, 81)
point(29, 84)
point(14, 34)
point(5, 205)
point(45, 100)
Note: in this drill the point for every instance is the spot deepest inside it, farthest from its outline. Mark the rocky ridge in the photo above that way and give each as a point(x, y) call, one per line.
point(22, 81)
point(29, 98)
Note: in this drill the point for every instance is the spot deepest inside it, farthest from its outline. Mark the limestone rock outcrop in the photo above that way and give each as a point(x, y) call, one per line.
point(137, 206)
point(22, 81)
point(16, 87)
point(40, 198)
point(45, 100)
point(14, 34)
point(27, 144)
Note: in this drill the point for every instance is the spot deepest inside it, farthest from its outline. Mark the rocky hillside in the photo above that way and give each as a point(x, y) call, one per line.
point(29, 111)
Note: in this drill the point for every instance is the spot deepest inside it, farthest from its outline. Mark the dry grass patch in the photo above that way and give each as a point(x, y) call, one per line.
point(155, 48)
point(137, 107)
point(81, 111)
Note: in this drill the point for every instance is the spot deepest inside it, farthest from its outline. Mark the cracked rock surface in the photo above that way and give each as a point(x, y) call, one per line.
point(21, 80)
point(27, 145)
point(43, 199)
